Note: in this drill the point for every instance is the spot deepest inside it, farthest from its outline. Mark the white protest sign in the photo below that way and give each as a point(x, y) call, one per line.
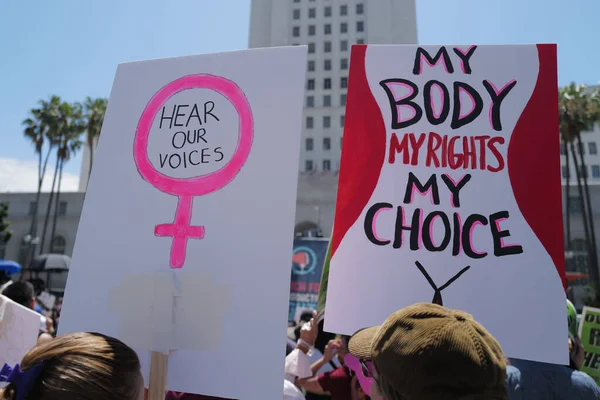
point(48, 300)
point(187, 225)
point(19, 328)
point(449, 192)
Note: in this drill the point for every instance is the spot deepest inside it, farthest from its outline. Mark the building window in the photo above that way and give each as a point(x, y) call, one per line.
point(344, 45)
point(328, 11)
point(360, 41)
point(296, 1)
point(32, 207)
point(327, 65)
point(343, 10)
point(564, 171)
point(343, 27)
point(327, 83)
point(308, 165)
point(327, 101)
point(311, 47)
point(562, 149)
point(360, 9)
point(310, 101)
point(309, 122)
point(341, 141)
point(327, 47)
point(344, 82)
point(344, 63)
point(312, 30)
point(311, 65)
point(327, 29)
point(326, 165)
point(309, 145)
point(342, 117)
point(595, 171)
point(327, 121)
point(59, 245)
point(310, 84)
point(593, 149)
point(62, 209)
point(296, 14)
point(342, 100)
point(296, 31)
point(583, 171)
point(312, 12)
point(360, 26)
point(326, 143)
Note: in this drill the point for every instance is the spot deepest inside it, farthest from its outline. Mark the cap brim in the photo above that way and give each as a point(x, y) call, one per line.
point(361, 342)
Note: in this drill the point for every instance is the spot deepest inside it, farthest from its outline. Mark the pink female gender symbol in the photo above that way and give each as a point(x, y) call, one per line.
point(186, 188)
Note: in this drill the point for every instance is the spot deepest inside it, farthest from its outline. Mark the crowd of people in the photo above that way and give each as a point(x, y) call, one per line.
point(421, 352)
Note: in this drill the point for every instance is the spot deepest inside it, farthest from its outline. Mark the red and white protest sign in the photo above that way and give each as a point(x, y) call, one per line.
point(450, 192)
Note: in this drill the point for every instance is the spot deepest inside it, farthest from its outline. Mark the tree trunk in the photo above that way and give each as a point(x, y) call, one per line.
point(33, 228)
point(91, 163)
point(592, 269)
point(56, 206)
point(47, 217)
point(589, 206)
point(568, 199)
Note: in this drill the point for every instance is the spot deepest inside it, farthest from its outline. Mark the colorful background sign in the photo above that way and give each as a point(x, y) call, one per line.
point(307, 264)
point(589, 332)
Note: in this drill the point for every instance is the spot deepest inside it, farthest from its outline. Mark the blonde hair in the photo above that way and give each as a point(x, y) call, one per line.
point(87, 366)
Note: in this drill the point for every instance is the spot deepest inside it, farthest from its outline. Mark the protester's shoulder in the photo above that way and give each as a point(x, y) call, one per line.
point(512, 371)
point(513, 381)
point(513, 374)
point(585, 385)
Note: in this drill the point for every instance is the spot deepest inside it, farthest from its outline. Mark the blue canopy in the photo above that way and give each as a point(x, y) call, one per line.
point(10, 267)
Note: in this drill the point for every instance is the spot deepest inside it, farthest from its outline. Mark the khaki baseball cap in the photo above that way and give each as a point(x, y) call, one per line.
point(429, 352)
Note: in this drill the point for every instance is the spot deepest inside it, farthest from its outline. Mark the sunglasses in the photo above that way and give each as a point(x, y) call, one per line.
point(367, 370)
point(362, 370)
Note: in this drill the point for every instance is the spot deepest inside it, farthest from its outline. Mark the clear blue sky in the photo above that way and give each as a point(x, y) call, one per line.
point(71, 48)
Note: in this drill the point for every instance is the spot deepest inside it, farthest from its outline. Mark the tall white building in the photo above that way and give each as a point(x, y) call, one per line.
point(329, 28)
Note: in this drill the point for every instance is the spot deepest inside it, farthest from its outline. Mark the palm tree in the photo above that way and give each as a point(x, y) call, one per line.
point(565, 142)
point(55, 137)
point(37, 131)
point(579, 111)
point(94, 116)
point(71, 126)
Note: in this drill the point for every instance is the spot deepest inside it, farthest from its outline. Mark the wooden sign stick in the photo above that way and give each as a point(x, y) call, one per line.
point(157, 386)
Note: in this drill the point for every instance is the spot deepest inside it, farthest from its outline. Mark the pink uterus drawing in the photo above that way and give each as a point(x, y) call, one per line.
point(186, 188)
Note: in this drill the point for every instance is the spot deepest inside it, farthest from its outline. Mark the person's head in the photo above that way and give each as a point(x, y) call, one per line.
point(80, 366)
point(428, 352)
point(306, 316)
point(21, 293)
